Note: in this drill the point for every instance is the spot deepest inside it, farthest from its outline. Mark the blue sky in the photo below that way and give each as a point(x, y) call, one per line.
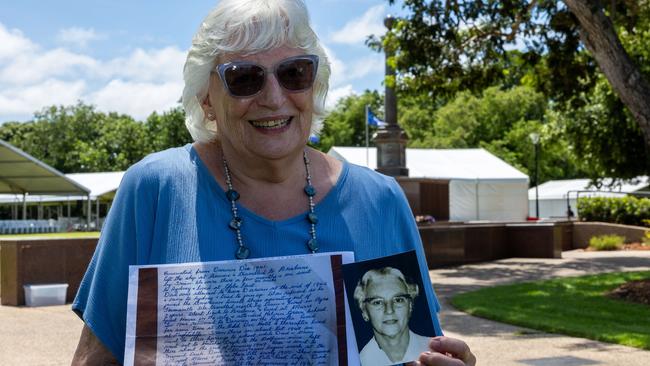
point(127, 56)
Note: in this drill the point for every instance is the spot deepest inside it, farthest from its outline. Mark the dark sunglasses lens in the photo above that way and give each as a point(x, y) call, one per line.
point(296, 74)
point(244, 80)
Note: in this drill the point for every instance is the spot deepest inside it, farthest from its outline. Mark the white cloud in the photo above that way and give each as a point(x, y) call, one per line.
point(159, 65)
point(337, 93)
point(78, 36)
point(357, 30)
point(337, 74)
point(137, 99)
point(36, 66)
point(367, 65)
point(136, 84)
point(14, 43)
point(26, 100)
point(342, 73)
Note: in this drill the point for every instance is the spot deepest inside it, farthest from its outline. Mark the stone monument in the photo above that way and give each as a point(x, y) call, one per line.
point(391, 139)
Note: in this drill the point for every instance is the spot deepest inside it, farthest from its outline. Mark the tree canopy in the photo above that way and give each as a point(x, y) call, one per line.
point(79, 138)
point(443, 46)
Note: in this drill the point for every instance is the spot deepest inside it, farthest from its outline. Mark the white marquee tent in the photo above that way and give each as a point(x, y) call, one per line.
point(553, 194)
point(102, 188)
point(481, 186)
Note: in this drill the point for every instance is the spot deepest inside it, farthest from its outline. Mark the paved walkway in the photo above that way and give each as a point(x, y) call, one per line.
point(48, 335)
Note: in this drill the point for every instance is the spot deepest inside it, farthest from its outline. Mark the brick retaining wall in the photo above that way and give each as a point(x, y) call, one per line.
point(583, 231)
point(40, 261)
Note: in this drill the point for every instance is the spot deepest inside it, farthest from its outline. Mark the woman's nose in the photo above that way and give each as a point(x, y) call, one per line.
point(389, 308)
point(272, 94)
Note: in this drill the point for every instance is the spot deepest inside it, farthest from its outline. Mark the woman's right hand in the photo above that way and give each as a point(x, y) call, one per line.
point(91, 351)
point(445, 351)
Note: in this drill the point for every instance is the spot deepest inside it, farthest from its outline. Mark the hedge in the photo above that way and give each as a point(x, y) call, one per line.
point(627, 210)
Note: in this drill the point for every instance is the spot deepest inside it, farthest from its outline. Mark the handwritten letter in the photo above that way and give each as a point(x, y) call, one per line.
point(270, 311)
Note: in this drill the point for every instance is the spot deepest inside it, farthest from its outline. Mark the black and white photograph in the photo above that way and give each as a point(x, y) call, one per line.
point(390, 313)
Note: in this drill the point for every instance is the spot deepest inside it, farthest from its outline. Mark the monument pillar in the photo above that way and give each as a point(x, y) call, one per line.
point(391, 139)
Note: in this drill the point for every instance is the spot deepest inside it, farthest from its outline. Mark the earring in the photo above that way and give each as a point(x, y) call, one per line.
point(211, 116)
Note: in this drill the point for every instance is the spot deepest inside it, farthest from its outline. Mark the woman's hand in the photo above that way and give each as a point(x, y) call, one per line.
point(91, 351)
point(446, 351)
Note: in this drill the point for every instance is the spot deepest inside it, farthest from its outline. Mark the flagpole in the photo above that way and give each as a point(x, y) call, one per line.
point(367, 144)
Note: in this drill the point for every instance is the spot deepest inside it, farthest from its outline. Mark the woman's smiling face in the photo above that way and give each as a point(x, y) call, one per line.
point(388, 306)
point(271, 124)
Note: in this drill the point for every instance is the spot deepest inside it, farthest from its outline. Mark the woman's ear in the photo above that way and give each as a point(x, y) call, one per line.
point(208, 111)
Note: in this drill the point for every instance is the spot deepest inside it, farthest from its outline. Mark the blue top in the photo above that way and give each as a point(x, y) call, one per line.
point(170, 209)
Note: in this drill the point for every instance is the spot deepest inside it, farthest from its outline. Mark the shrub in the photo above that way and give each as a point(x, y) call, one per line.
point(627, 210)
point(646, 238)
point(607, 242)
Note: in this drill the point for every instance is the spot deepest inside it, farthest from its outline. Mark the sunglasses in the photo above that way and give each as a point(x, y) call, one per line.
point(245, 79)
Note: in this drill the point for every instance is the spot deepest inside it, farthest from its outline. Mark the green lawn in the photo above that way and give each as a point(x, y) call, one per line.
point(76, 234)
point(574, 306)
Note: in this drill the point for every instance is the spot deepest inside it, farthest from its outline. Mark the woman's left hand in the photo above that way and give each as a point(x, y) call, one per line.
point(445, 351)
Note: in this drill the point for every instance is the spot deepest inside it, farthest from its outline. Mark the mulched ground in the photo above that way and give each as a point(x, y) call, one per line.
point(635, 291)
point(636, 246)
point(629, 246)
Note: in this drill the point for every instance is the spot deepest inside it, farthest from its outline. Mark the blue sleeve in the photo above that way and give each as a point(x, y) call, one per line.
point(125, 239)
point(405, 221)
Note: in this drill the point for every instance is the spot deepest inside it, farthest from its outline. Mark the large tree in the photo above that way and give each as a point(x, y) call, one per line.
point(448, 45)
point(78, 138)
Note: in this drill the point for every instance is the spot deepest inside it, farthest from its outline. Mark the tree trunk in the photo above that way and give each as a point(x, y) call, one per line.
point(599, 36)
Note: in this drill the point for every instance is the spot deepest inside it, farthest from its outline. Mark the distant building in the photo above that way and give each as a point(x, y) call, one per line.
point(455, 184)
point(557, 196)
point(102, 187)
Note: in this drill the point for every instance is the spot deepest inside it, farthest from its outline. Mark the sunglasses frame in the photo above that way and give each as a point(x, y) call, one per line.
point(222, 68)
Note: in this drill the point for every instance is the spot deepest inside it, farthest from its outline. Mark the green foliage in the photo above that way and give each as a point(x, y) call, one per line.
point(345, 125)
point(646, 236)
point(575, 306)
point(627, 210)
point(469, 120)
point(167, 130)
point(443, 48)
point(78, 138)
point(501, 121)
point(416, 117)
point(607, 242)
point(599, 126)
point(603, 132)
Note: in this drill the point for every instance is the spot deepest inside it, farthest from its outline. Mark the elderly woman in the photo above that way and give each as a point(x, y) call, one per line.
point(386, 299)
point(256, 79)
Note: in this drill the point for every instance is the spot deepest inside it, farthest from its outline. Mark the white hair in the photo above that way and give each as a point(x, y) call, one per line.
point(248, 27)
point(375, 275)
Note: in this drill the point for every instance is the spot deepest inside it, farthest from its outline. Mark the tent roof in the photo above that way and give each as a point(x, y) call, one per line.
point(101, 185)
point(456, 164)
point(557, 189)
point(21, 172)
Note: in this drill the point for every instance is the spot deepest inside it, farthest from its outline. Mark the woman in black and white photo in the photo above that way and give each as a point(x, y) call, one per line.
point(386, 299)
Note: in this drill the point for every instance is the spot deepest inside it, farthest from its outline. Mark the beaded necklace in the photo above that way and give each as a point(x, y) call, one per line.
point(235, 224)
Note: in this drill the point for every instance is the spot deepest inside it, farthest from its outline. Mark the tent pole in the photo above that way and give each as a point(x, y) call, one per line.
point(97, 217)
point(90, 207)
point(24, 206)
point(68, 207)
point(478, 215)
